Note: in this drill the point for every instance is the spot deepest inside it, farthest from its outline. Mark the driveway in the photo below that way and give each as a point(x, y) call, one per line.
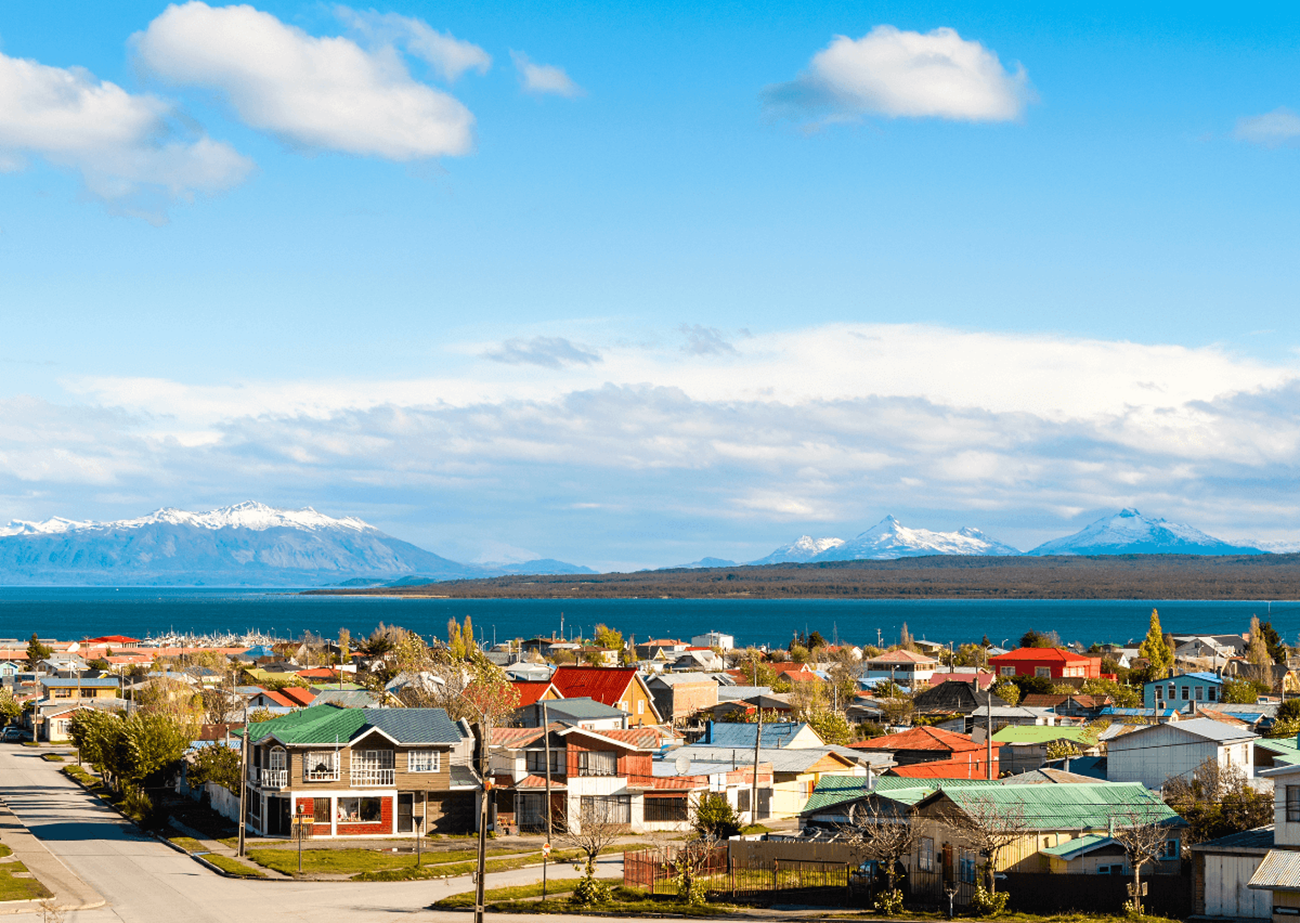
point(144, 881)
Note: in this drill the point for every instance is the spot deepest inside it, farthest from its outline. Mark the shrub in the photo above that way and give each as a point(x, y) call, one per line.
point(984, 904)
point(591, 891)
point(890, 903)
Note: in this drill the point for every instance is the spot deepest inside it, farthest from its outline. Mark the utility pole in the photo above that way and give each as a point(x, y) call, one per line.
point(485, 730)
point(243, 781)
point(546, 850)
point(758, 742)
point(988, 730)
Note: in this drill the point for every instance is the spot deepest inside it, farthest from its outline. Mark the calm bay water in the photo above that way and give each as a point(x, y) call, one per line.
point(72, 613)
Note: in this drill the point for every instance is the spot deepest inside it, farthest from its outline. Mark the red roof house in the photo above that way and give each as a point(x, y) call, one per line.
point(925, 745)
point(532, 691)
point(1048, 662)
point(619, 687)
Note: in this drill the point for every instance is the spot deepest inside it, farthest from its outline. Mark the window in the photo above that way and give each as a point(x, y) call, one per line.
point(1186, 694)
point(1171, 850)
point(1007, 671)
point(320, 766)
point(1213, 693)
point(1293, 804)
point(530, 811)
point(1160, 697)
point(360, 811)
point(62, 693)
point(742, 800)
point(320, 810)
point(597, 763)
point(535, 761)
point(611, 809)
point(277, 759)
point(640, 708)
point(966, 866)
point(622, 706)
point(1043, 671)
point(1200, 693)
point(424, 761)
point(1173, 692)
point(667, 810)
point(925, 854)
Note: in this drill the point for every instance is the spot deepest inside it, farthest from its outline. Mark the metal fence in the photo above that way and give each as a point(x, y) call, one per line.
point(739, 878)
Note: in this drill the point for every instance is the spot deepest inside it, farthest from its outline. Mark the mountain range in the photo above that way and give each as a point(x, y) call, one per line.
point(249, 544)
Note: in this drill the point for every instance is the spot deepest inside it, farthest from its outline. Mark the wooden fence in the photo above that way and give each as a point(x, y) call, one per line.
point(741, 877)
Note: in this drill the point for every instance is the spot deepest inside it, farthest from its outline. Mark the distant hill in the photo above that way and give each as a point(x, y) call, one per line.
point(249, 544)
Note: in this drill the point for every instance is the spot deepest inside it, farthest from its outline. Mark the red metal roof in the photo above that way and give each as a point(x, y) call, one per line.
point(531, 691)
point(298, 695)
point(1039, 655)
point(607, 685)
point(946, 769)
point(112, 639)
point(922, 738)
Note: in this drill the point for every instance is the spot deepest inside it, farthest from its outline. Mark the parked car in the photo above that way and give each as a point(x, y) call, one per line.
point(13, 734)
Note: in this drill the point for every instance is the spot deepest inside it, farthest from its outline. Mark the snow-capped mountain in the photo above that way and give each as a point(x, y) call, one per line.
point(890, 539)
point(804, 548)
point(249, 544)
point(1129, 532)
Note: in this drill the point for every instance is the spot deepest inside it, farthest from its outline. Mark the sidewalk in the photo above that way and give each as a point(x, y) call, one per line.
point(70, 892)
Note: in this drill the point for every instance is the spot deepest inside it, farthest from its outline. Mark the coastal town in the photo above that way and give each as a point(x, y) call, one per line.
point(974, 778)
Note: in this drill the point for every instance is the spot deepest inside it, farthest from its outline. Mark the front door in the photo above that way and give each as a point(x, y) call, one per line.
point(405, 812)
point(277, 816)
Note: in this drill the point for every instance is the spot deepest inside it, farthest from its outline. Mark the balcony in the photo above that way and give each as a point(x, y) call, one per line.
point(268, 778)
point(362, 778)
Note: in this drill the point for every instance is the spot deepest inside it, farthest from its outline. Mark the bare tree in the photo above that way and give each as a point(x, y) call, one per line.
point(990, 826)
point(1143, 839)
point(592, 831)
point(885, 834)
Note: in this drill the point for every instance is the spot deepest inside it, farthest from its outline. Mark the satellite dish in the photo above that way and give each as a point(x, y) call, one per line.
point(683, 764)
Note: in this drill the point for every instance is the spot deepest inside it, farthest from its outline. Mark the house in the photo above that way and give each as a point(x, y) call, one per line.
point(605, 774)
point(680, 696)
point(1049, 818)
point(795, 771)
point(907, 668)
point(956, 756)
point(1073, 705)
point(841, 800)
point(1154, 754)
point(659, 649)
point(1278, 873)
point(703, 659)
point(1184, 693)
point(733, 782)
point(1221, 873)
point(279, 701)
point(531, 691)
point(714, 639)
point(620, 687)
point(1048, 662)
point(770, 704)
point(954, 697)
point(795, 672)
point(1024, 748)
point(582, 712)
point(67, 688)
point(51, 718)
point(373, 772)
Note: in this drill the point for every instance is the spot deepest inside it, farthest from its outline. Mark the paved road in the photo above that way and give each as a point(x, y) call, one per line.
point(144, 881)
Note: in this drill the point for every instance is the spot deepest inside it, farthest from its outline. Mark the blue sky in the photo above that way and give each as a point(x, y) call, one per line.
point(632, 284)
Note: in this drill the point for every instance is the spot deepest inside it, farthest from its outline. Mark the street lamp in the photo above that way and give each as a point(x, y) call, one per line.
point(485, 735)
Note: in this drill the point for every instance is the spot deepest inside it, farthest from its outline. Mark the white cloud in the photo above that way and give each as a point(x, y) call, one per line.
point(448, 55)
point(125, 146)
point(548, 352)
point(1281, 126)
point(706, 341)
point(543, 78)
point(317, 93)
point(901, 74)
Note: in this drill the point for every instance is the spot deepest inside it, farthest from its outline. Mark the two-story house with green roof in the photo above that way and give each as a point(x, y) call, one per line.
point(362, 772)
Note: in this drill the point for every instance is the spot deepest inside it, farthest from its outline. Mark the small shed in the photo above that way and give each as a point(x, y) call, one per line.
point(1221, 871)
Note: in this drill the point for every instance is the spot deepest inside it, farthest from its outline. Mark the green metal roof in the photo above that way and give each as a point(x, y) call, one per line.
point(1284, 749)
point(1041, 734)
point(1073, 806)
point(1079, 844)
point(323, 725)
point(836, 790)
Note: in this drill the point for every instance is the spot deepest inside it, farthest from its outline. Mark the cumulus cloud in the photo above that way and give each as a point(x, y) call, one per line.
point(1272, 129)
point(449, 56)
point(317, 93)
point(543, 78)
point(900, 74)
point(126, 147)
point(548, 352)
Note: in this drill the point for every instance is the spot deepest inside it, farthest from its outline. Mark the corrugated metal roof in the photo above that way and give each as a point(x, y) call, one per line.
point(922, 738)
point(1081, 844)
point(327, 725)
point(1205, 728)
point(1080, 806)
point(414, 725)
point(782, 760)
point(1039, 734)
point(775, 734)
point(1259, 838)
point(1280, 870)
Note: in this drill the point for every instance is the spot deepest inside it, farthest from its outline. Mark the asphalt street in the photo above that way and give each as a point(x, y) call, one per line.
point(144, 881)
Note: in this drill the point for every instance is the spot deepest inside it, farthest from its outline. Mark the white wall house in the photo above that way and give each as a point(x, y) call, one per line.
point(1278, 874)
point(1156, 754)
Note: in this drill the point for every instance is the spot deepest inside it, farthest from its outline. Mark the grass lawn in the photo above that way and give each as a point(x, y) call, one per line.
point(51, 757)
point(5, 851)
point(233, 866)
point(188, 843)
point(516, 893)
point(453, 869)
point(625, 902)
point(20, 889)
point(361, 861)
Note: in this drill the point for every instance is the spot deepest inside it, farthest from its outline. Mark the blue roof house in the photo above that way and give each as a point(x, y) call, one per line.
point(1184, 693)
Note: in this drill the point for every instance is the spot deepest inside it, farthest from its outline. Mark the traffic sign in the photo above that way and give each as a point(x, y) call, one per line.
point(546, 850)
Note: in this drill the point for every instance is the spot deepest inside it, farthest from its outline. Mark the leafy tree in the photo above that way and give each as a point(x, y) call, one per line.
point(831, 726)
point(1006, 690)
point(757, 672)
point(258, 715)
point(1033, 685)
point(1033, 638)
point(715, 818)
point(1240, 692)
point(36, 651)
point(1061, 749)
point(799, 653)
point(345, 645)
point(971, 655)
point(215, 764)
point(155, 743)
point(1156, 650)
point(815, 640)
point(608, 638)
point(1124, 696)
point(173, 697)
point(10, 707)
point(99, 663)
point(1216, 802)
point(1259, 662)
point(1273, 642)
